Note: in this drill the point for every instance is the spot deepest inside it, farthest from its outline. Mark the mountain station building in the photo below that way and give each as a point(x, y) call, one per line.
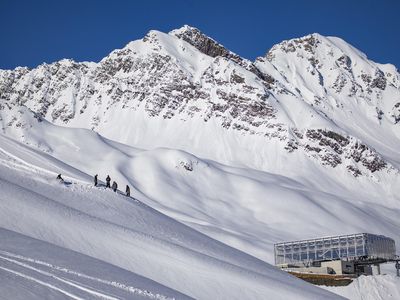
point(344, 254)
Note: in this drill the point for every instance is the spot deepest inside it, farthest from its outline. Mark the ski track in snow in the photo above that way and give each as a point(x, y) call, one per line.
point(30, 269)
point(42, 283)
point(16, 162)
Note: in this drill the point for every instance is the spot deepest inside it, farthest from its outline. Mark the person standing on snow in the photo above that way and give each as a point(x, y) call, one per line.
point(95, 180)
point(128, 191)
point(114, 186)
point(108, 180)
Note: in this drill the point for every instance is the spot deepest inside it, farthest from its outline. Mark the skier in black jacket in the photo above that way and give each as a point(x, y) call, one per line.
point(114, 186)
point(108, 180)
point(60, 178)
point(95, 180)
point(128, 191)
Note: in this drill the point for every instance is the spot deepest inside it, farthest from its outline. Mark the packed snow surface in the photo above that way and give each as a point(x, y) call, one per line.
point(30, 269)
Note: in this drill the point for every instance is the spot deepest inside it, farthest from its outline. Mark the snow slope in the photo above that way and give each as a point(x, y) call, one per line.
point(377, 287)
point(244, 208)
point(32, 269)
point(123, 232)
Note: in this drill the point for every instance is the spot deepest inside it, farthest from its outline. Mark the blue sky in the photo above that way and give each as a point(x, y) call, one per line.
point(33, 32)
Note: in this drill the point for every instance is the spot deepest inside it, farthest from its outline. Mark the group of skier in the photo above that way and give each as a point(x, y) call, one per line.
point(114, 185)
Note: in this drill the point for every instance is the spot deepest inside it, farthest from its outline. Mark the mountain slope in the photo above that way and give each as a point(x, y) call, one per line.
point(45, 270)
point(128, 234)
point(245, 208)
point(339, 82)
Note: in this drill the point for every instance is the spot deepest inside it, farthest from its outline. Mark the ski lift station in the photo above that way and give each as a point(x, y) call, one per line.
point(344, 254)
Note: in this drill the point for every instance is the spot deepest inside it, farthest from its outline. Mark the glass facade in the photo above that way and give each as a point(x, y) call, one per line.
point(353, 246)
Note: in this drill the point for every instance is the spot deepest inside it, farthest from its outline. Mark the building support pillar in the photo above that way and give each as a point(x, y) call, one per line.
point(378, 268)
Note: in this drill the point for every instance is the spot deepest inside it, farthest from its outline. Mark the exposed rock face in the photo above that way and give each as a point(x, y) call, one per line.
point(299, 96)
point(334, 149)
point(128, 78)
point(212, 48)
point(204, 43)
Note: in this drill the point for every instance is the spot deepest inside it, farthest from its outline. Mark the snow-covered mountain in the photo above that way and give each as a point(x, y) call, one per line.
point(302, 142)
point(314, 95)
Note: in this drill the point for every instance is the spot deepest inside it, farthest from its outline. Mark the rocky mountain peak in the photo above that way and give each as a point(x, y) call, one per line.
point(307, 44)
point(330, 63)
point(202, 42)
point(210, 47)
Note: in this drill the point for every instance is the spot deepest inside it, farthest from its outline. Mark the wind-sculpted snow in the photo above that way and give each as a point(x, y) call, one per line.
point(126, 233)
point(211, 197)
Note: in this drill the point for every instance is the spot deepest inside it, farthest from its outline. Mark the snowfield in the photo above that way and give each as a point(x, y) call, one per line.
point(33, 269)
point(245, 208)
point(128, 234)
point(166, 256)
